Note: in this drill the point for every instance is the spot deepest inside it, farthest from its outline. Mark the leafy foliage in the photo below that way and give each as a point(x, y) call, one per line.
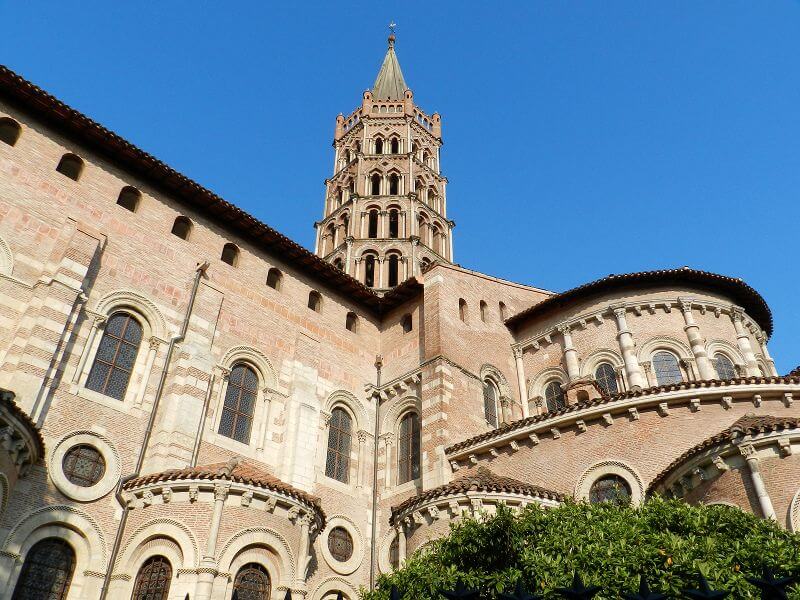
point(609, 545)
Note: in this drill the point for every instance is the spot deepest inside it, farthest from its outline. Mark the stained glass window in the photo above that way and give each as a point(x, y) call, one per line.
point(83, 465)
point(252, 582)
point(340, 544)
point(610, 488)
point(490, 402)
point(606, 378)
point(408, 450)
point(724, 366)
point(667, 369)
point(554, 397)
point(153, 580)
point(240, 402)
point(46, 572)
point(116, 355)
point(337, 465)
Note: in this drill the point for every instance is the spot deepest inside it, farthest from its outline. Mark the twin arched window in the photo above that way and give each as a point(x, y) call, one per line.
point(408, 448)
point(116, 356)
point(606, 378)
point(252, 583)
point(554, 397)
point(394, 146)
point(47, 571)
point(724, 366)
point(337, 464)
point(667, 368)
point(490, 398)
point(394, 223)
point(379, 146)
point(153, 579)
point(372, 224)
point(375, 185)
point(240, 401)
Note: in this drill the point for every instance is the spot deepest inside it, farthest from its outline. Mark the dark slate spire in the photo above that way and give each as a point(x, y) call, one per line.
point(389, 84)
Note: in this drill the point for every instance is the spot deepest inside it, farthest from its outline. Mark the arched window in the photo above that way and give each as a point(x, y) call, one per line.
point(462, 309)
point(230, 254)
point(115, 357)
point(47, 571)
point(369, 270)
point(372, 224)
point(351, 322)
point(606, 378)
point(394, 185)
point(432, 199)
point(490, 397)
point(610, 488)
point(182, 227)
point(554, 397)
point(724, 366)
point(9, 131)
point(83, 465)
point(129, 198)
point(484, 311)
point(314, 301)
point(394, 224)
point(395, 146)
point(153, 579)
point(407, 323)
point(240, 402)
point(666, 367)
point(338, 263)
point(408, 450)
point(337, 464)
point(426, 262)
point(394, 552)
point(71, 166)
point(376, 185)
point(378, 146)
point(503, 311)
point(274, 278)
point(252, 583)
point(394, 270)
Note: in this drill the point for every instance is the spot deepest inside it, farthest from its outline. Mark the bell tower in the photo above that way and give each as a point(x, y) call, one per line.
point(385, 214)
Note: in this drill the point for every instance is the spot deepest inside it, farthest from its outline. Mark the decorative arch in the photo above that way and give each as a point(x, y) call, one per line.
point(333, 585)
point(610, 467)
point(6, 258)
point(351, 404)
point(725, 347)
point(391, 420)
point(493, 373)
point(653, 345)
point(543, 378)
point(265, 538)
point(184, 554)
point(603, 355)
point(133, 301)
point(256, 359)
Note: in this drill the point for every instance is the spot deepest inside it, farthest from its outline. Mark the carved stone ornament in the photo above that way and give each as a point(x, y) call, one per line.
point(194, 491)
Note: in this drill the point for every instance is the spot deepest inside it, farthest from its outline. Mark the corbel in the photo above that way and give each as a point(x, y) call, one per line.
point(757, 400)
point(663, 409)
point(608, 419)
point(534, 439)
point(694, 404)
point(788, 400)
point(785, 447)
point(634, 413)
point(581, 425)
point(727, 402)
point(556, 433)
point(514, 445)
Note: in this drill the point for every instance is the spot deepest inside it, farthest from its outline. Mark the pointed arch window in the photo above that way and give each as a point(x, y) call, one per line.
point(394, 270)
point(554, 397)
point(394, 223)
point(394, 185)
point(369, 270)
point(252, 583)
point(667, 368)
point(408, 448)
point(724, 366)
point(378, 146)
point(490, 397)
point(503, 311)
point(153, 579)
point(337, 464)
point(9, 131)
point(372, 224)
point(116, 356)
point(47, 571)
point(240, 401)
point(182, 227)
point(351, 322)
point(606, 378)
point(407, 323)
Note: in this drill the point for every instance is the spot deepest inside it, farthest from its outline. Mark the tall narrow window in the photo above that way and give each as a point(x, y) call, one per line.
point(379, 146)
point(490, 402)
point(724, 366)
point(182, 227)
point(432, 199)
point(554, 397)
point(337, 465)
point(503, 311)
point(240, 401)
point(71, 166)
point(252, 583)
point(369, 270)
point(129, 198)
point(606, 378)
point(9, 131)
point(484, 311)
point(667, 369)
point(407, 323)
point(395, 146)
point(408, 449)
point(230, 254)
point(372, 224)
point(394, 270)
point(462, 309)
point(394, 223)
point(116, 355)
point(315, 301)
point(394, 185)
point(153, 579)
point(351, 322)
point(338, 263)
point(47, 571)
point(274, 278)
point(375, 185)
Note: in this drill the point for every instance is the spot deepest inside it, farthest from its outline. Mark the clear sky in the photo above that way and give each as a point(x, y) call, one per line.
point(581, 138)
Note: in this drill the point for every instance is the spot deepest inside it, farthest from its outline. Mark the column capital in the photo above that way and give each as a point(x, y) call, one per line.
point(737, 313)
point(387, 439)
point(221, 492)
point(517, 350)
point(686, 303)
point(154, 343)
point(100, 320)
point(564, 328)
point(362, 436)
point(619, 310)
point(225, 372)
point(326, 417)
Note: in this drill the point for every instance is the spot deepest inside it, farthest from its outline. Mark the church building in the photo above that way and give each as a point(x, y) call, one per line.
point(193, 405)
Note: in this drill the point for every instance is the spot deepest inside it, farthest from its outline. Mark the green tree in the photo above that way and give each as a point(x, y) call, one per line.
point(609, 545)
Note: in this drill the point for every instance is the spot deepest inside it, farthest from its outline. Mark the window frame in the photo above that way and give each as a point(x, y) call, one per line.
point(140, 321)
point(406, 475)
point(678, 370)
point(224, 396)
point(600, 365)
point(253, 566)
point(63, 593)
point(714, 363)
point(490, 383)
point(562, 395)
point(145, 565)
point(345, 458)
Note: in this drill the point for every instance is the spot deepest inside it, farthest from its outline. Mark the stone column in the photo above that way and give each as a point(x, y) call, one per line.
point(154, 343)
point(208, 564)
point(387, 460)
point(302, 552)
point(379, 279)
point(620, 371)
point(98, 324)
point(762, 341)
point(627, 348)
point(743, 340)
point(357, 275)
point(523, 389)
point(764, 501)
point(414, 244)
point(570, 353)
point(696, 341)
point(401, 544)
point(362, 457)
point(263, 419)
point(349, 255)
point(649, 379)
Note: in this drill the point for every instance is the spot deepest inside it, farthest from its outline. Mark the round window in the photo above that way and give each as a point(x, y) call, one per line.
point(610, 488)
point(340, 544)
point(83, 465)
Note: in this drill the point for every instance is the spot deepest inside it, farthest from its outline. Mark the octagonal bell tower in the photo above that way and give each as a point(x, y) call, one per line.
point(385, 213)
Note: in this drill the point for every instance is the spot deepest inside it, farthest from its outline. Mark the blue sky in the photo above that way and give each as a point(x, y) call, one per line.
point(581, 138)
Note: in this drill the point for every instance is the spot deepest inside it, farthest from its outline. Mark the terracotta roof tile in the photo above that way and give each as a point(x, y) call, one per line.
point(478, 480)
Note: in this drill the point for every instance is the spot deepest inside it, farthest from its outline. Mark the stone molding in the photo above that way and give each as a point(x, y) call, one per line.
point(108, 451)
point(359, 545)
point(610, 467)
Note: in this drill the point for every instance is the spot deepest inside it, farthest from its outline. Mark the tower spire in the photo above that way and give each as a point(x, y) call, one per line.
point(390, 85)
